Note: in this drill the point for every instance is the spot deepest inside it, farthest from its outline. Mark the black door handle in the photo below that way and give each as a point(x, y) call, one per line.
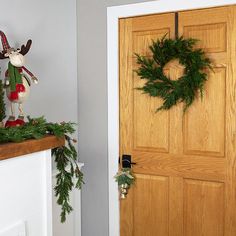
point(126, 161)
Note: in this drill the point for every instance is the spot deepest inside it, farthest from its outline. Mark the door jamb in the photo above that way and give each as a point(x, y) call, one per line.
point(113, 15)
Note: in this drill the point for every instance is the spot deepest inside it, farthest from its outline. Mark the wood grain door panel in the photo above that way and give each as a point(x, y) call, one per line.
point(203, 208)
point(151, 205)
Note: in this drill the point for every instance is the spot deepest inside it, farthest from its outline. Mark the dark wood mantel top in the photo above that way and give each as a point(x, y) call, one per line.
point(11, 150)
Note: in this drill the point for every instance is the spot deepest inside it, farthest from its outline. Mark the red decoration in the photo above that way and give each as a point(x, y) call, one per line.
point(10, 123)
point(19, 122)
point(20, 88)
point(13, 96)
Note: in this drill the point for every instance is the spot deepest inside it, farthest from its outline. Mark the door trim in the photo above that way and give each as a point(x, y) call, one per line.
point(113, 15)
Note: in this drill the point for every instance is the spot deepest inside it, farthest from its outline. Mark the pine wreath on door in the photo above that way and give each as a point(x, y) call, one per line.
point(186, 176)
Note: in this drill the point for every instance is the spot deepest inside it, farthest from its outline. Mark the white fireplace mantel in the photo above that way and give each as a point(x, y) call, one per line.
point(26, 188)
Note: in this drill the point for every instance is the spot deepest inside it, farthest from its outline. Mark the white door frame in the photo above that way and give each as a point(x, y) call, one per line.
point(113, 15)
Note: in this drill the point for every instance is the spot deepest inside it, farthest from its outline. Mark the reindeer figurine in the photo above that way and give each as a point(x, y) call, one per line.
point(17, 82)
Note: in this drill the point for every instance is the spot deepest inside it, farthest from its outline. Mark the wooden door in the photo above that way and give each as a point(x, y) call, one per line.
point(186, 173)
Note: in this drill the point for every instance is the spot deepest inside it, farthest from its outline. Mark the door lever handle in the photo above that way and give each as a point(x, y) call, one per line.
point(126, 161)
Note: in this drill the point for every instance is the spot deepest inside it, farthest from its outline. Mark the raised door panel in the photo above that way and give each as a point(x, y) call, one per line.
point(203, 208)
point(204, 130)
point(151, 205)
point(143, 39)
point(212, 37)
point(151, 131)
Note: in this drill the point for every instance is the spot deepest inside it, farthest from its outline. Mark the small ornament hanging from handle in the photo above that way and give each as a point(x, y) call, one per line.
point(125, 177)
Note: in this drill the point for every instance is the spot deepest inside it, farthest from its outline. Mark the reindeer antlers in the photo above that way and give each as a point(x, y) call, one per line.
point(2, 55)
point(25, 49)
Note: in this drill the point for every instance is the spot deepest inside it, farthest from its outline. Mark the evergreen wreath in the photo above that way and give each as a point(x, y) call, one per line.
point(65, 156)
point(174, 91)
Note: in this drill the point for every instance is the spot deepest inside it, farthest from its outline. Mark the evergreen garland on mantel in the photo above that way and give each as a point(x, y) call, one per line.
point(64, 156)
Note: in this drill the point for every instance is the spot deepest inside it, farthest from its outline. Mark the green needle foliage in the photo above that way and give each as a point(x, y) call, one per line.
point(2, 104)
point(174, 91)
point(69, 174)
point(125, 176)
point(66, 156)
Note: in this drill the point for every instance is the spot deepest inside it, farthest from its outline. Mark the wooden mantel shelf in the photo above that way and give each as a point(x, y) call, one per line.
point(11, 150)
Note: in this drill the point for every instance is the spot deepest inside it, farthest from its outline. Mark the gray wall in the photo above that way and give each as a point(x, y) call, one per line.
point(92, 85)
point(51, 24)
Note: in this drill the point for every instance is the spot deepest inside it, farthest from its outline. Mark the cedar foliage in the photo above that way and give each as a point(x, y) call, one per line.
point(173, 91)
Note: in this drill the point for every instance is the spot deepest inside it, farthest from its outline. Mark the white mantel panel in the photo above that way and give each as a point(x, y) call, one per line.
point(25, 195)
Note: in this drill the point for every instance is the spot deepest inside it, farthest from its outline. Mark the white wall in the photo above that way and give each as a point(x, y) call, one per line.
point(51, 24)
point(25, 198)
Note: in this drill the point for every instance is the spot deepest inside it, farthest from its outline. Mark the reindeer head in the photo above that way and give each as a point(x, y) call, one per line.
point(16, 56)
